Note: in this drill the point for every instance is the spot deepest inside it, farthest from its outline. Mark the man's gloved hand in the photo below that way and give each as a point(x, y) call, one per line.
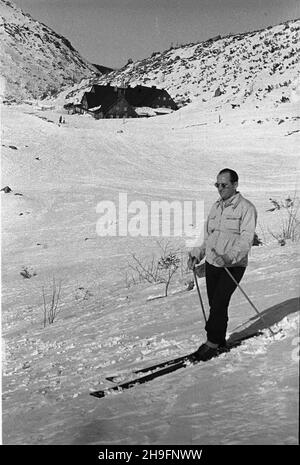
point(192, 262)
point(195, 257)
point(227, 259)
point(222, 260)
point(219, 260)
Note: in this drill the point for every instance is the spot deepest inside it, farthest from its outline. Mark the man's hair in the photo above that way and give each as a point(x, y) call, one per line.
point(233, 175)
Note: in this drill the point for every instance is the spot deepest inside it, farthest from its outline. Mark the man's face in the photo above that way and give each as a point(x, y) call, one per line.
point(226, 188)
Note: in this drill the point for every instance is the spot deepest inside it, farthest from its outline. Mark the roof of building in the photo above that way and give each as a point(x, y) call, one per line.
point(138, 96)
point(103, 100)
point(141, 96)
point(107, 95)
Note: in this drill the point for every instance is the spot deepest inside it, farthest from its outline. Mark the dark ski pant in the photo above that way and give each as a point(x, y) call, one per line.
point(220, 288)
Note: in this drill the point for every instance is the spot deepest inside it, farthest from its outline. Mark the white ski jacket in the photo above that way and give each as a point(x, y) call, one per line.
point(229, 231)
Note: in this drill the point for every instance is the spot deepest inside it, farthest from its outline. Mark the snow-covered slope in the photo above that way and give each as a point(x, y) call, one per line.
point(105, 323)
point(35, 60)
point(255, 67)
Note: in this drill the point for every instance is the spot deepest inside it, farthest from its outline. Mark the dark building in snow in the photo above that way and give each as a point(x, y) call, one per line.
point(106, 101)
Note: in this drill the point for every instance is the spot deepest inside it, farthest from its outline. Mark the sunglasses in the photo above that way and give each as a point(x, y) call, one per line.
point(221, 184)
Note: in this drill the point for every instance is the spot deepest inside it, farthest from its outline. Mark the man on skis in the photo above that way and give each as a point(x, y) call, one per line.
point(229, 233)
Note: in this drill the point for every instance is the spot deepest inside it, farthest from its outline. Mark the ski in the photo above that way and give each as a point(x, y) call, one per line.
point(166, 363)
point(153, 367)
point(169, 368)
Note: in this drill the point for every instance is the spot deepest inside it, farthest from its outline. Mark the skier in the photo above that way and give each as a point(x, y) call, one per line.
point(229, 233)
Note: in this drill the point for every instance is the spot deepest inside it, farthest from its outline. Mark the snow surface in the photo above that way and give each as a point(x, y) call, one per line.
point(108, 326)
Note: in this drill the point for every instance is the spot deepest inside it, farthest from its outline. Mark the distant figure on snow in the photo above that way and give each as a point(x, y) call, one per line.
point(229, 233)
point(60, 120)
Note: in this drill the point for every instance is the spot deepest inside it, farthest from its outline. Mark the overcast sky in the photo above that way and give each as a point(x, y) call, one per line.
point(108, 32)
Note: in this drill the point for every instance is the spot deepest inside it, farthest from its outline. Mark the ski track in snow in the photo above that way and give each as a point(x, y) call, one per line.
point(248, 396)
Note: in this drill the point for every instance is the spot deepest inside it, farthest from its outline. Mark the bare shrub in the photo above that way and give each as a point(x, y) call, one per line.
point(168, 265)
point(51, 309)
point(289, 223)
point(156, 269)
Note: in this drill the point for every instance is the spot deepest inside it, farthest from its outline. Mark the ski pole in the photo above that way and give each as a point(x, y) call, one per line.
point(251, 303)
point(199, 294)
point(243, 292)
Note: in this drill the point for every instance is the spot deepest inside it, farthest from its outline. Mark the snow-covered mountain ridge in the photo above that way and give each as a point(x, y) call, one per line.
point(35, 60)
point(252, 66)
point(242, 66)
point(237, 68)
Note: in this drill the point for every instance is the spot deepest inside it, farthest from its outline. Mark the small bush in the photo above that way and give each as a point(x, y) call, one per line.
point(155, 270)
point(26, 273)
point(168, 265)
point(289, 223)
point(52, 309)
